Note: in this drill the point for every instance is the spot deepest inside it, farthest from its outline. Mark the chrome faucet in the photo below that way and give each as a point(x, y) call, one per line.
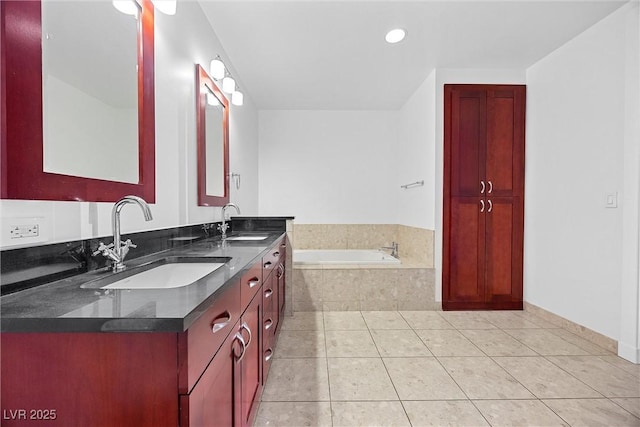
point(394, 249)
point(224, 226)
point(118, 250)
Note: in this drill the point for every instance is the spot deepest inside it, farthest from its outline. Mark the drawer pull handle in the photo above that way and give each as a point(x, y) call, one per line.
point(268, 324)
point(253, 282)
point(276, 253)
point(268, 293)
point(238, 336)
point(269, 355)
point(267, 264)
point(280, 270)
point(221, 322)
point(246, 327)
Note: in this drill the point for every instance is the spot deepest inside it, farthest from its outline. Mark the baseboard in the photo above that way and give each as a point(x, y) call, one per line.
point(628, 352)
point(582, 331)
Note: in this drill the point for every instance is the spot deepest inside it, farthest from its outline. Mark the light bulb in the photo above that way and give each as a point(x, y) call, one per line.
point(217, 69)
point(237, 98)
point(228, 84)
point(168, 7)
point(128, 7)
point(395, 35)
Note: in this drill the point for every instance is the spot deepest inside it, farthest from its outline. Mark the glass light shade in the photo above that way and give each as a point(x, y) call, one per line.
point(128, 7)
point(212, 100)
point(237, 98)
point(228, 84)
point(395, 35)
point(168, 7)
point(217, 69)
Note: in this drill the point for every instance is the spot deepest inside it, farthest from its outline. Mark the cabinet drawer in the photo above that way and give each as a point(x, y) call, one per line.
point(271, 260)
point(250, 284)
point(198, 345)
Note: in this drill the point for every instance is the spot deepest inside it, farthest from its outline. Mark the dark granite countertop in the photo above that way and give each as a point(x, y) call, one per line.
point(65, 306)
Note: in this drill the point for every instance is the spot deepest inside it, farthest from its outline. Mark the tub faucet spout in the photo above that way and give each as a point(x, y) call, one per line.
point(394, 249)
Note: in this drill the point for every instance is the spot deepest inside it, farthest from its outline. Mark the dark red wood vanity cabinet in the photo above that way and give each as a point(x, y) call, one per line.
point(210, 375)
point(483, 216)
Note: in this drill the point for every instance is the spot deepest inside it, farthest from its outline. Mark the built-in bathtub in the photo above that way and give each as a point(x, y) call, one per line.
point(342, 256)
point(347, 279)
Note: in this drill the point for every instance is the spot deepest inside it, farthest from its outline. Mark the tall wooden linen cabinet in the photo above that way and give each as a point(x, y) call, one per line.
point(483, 218)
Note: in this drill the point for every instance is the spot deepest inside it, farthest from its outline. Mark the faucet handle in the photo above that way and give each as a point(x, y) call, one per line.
point(103, 249)
point(129, 244)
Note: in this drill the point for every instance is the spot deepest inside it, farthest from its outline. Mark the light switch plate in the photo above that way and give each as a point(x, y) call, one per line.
point(611, 200)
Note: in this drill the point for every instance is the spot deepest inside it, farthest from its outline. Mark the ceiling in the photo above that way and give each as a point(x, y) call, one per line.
point(331, 55)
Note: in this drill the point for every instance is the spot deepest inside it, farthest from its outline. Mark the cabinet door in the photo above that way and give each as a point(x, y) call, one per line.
point(504, 174)
point(212, 401)
point(464, 255)
point(465, 140)
point(251, 365)
point(504, 246)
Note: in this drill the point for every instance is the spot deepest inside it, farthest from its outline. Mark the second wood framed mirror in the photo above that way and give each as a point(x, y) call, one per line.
point(212, 119)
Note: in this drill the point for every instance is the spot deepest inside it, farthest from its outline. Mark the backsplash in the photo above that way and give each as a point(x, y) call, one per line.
point(32, 266)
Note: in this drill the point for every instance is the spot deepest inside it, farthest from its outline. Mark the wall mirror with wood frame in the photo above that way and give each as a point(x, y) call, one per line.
point(78, 116)
point(212, 120)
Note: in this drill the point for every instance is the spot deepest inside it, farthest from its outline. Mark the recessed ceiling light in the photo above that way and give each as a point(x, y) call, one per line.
point(396, 35)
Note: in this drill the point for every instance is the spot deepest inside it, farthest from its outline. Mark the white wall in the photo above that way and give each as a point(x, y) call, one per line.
point(417, 157)
point(329, 167)
point(181, 41)
point(575, 155)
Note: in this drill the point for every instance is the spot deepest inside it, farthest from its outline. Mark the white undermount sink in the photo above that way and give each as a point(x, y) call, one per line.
point(168, 273)
point(247, 238)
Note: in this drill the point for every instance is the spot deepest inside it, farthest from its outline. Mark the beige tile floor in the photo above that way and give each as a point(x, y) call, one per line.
point(428, 368)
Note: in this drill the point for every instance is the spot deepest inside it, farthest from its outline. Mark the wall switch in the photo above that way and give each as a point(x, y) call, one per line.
point(611, 200)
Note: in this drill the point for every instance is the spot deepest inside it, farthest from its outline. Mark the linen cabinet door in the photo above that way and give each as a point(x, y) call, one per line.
point(505, 142)
point(464, 253)
point(214, 402)
point(465, 119)
point(504, 247)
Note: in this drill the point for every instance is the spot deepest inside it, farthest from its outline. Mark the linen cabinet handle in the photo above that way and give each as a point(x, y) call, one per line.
point(221, 322)
point(490, 206)
point(238, 336)
point(481, 205)
point(269, 355)
point(254, 281)
point(481, 187)
point(490, 187)
point(268, 324)
point(246, 327)
point(276, 254)
point(267, 264)
point(268, 293)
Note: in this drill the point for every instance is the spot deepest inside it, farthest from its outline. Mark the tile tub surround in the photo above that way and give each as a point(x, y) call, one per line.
point(415, 244)
point(347, 288)
point(408, 286)
point(358, 376)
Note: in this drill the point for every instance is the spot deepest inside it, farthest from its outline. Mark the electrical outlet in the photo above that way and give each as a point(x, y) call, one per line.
point(22, 231)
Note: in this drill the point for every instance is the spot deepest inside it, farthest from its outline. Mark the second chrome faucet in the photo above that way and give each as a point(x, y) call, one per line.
point(224, 226)
point(118, 250)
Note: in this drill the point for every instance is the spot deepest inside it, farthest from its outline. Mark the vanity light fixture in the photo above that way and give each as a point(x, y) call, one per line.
point(168, 7)
point(237, 98)
point(128, 7)
point(217, 68)
point(396, 35)
point(228, 84)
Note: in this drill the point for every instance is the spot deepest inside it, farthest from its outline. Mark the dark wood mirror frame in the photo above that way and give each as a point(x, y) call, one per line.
point(22, 123)
point(203, 81)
